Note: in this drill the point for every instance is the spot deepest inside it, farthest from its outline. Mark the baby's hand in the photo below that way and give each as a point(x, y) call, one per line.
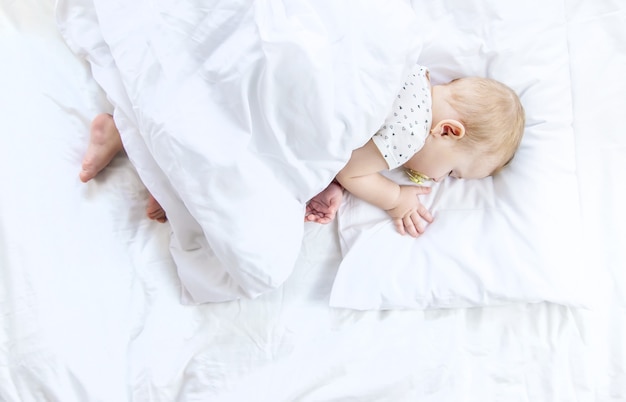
point(323, 207)
point(409, 211)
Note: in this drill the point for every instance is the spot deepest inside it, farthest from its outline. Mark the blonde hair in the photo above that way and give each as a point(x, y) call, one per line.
point(492, 114)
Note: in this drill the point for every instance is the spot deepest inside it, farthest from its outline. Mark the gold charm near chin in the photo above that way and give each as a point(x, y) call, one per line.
point(417, 177)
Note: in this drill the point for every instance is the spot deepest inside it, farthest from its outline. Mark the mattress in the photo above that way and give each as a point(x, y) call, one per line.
point(516, 292)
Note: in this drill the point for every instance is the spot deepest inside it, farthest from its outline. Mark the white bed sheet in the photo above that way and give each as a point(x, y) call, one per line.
point(89, 295)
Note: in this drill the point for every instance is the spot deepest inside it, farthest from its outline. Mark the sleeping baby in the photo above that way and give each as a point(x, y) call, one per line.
point(468, 128)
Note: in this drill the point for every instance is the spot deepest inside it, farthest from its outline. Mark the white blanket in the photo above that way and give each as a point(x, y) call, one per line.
point(236, 113)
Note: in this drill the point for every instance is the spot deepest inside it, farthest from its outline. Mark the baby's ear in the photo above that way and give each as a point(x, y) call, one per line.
point(450, 127)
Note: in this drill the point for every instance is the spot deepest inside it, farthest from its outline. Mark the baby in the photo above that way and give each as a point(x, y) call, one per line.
point(468, 128)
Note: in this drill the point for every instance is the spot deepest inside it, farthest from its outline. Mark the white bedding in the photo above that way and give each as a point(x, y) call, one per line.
point(89, 291)
point(247, 110)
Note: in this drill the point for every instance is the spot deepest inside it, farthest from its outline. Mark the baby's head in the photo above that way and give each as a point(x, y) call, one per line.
point(492, 115)
point(477, 125)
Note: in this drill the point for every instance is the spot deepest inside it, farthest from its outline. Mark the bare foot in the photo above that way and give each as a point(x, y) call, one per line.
point(104, 144)
point(155, 211)
point(323, 207)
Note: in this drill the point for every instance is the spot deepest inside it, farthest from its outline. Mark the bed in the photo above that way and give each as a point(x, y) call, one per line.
point(233, 114)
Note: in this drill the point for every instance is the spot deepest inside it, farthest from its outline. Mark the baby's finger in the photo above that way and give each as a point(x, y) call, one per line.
point(417, 222)
point(410, 226)
point(310, 218)
point(425, 213)
point(399, 224)
point(419, 190)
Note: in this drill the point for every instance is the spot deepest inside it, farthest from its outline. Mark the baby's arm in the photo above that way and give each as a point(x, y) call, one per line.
point(361, 177)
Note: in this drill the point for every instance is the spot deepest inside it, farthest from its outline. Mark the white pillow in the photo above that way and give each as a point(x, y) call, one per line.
point(514, 237)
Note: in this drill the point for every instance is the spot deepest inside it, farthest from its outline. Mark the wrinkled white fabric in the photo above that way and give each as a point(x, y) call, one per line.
point(235, 113)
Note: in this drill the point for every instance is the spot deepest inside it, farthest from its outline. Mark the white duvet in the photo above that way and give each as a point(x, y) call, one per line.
point(235, 113)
